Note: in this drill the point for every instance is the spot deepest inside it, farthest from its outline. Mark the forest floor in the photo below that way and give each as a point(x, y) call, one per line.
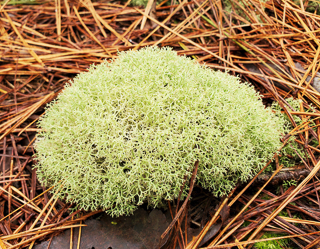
point(274, 45)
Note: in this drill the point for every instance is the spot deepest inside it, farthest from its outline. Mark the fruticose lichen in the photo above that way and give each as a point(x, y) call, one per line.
point(130, 130)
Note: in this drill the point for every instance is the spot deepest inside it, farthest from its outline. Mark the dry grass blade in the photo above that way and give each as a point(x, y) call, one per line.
point(22, 39)
point(196, 241)
point(184, 38)
point(79, 236)
point(147, 11)
point(23, 116)
point(215, 241)
point(258, 240)
point(88, 30)
point(286, 201)
point(2, 245)
point(192, 181)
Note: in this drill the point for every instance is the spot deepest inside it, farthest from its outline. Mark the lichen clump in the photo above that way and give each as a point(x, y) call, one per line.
point(130, 130)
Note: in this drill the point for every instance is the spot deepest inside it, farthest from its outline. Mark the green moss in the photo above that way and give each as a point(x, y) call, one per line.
point(129, 131)
point(275, 244)
point(272, 244)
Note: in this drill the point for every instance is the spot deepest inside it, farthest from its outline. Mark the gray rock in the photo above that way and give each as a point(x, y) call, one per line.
point(139, 231)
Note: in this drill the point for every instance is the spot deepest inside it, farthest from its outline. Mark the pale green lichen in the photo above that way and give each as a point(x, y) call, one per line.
point(130, 130)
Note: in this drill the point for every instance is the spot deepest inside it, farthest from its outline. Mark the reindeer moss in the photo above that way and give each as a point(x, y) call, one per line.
point(130, 130)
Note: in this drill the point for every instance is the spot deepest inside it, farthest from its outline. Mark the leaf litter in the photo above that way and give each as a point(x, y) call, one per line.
point(274, 45)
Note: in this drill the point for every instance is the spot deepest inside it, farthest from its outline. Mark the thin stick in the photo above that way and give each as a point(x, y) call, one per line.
point(79, 236)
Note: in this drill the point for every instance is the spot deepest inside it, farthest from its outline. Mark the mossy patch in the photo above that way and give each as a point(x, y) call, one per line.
point(272, 244)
